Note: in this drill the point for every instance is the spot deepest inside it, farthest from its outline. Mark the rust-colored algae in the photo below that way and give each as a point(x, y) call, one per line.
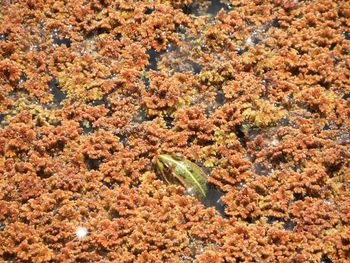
point(257, 93)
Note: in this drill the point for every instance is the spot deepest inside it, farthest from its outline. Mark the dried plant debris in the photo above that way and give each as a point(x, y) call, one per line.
point(255, 93)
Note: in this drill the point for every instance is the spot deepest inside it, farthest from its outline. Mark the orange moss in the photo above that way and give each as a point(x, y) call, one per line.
point(258, 93)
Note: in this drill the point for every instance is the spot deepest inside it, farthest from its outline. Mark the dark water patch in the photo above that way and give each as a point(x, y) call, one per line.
point(345, 241)
point(153, 59)
point(114, 214)
point(187, 258)
point(250, 132)
point(54, 149)
point(170, 47)
point(87, 127)
point(196, 8)
point(58, 95)
point(149, 10)
point(98, 102)
point(180, 28)
point(102, 252)
point(188, 9)
point(260, 190)
point(92, 164)
point(346, 35)
point(87, 130)
point(346, 96)
point(96, 31)
point(289, 225)
point(146, 82)
point(60, 40)
point(141, 116)
point(298, 197)
point(111, 76)
point(332, 169)
point(240, 51)
point(278, 159)
point(240, 135)
point(326, 127)
point(249, 219)
point(260, 32)
point(261, 169)
point(2, 116)
point(325, 259)
point(343, 137)
point(160, 39)
point(23, 78)
point(272, 219)
point(184, 65)
point(345, 51)
point(123, 139)
point(3, 37)
point(35, 47)
point(2, 226)
point(7, 256)
point(168, 121)
point(283, 122)
point(43, 174)
point(213, 199)
point(39, 136)
point(117, 36)
point(197, 68)
point(275, 23)
point(208, 111)
point(336, 60)
point(286, 224)
point(332, 46)
point(254, 38)
point(66, 41)
point(220, 97)
point(216, 5)
point(326, 84)
point(107, 184)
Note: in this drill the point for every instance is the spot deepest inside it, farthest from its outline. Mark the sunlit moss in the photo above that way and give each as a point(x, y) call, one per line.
point(263, 113)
